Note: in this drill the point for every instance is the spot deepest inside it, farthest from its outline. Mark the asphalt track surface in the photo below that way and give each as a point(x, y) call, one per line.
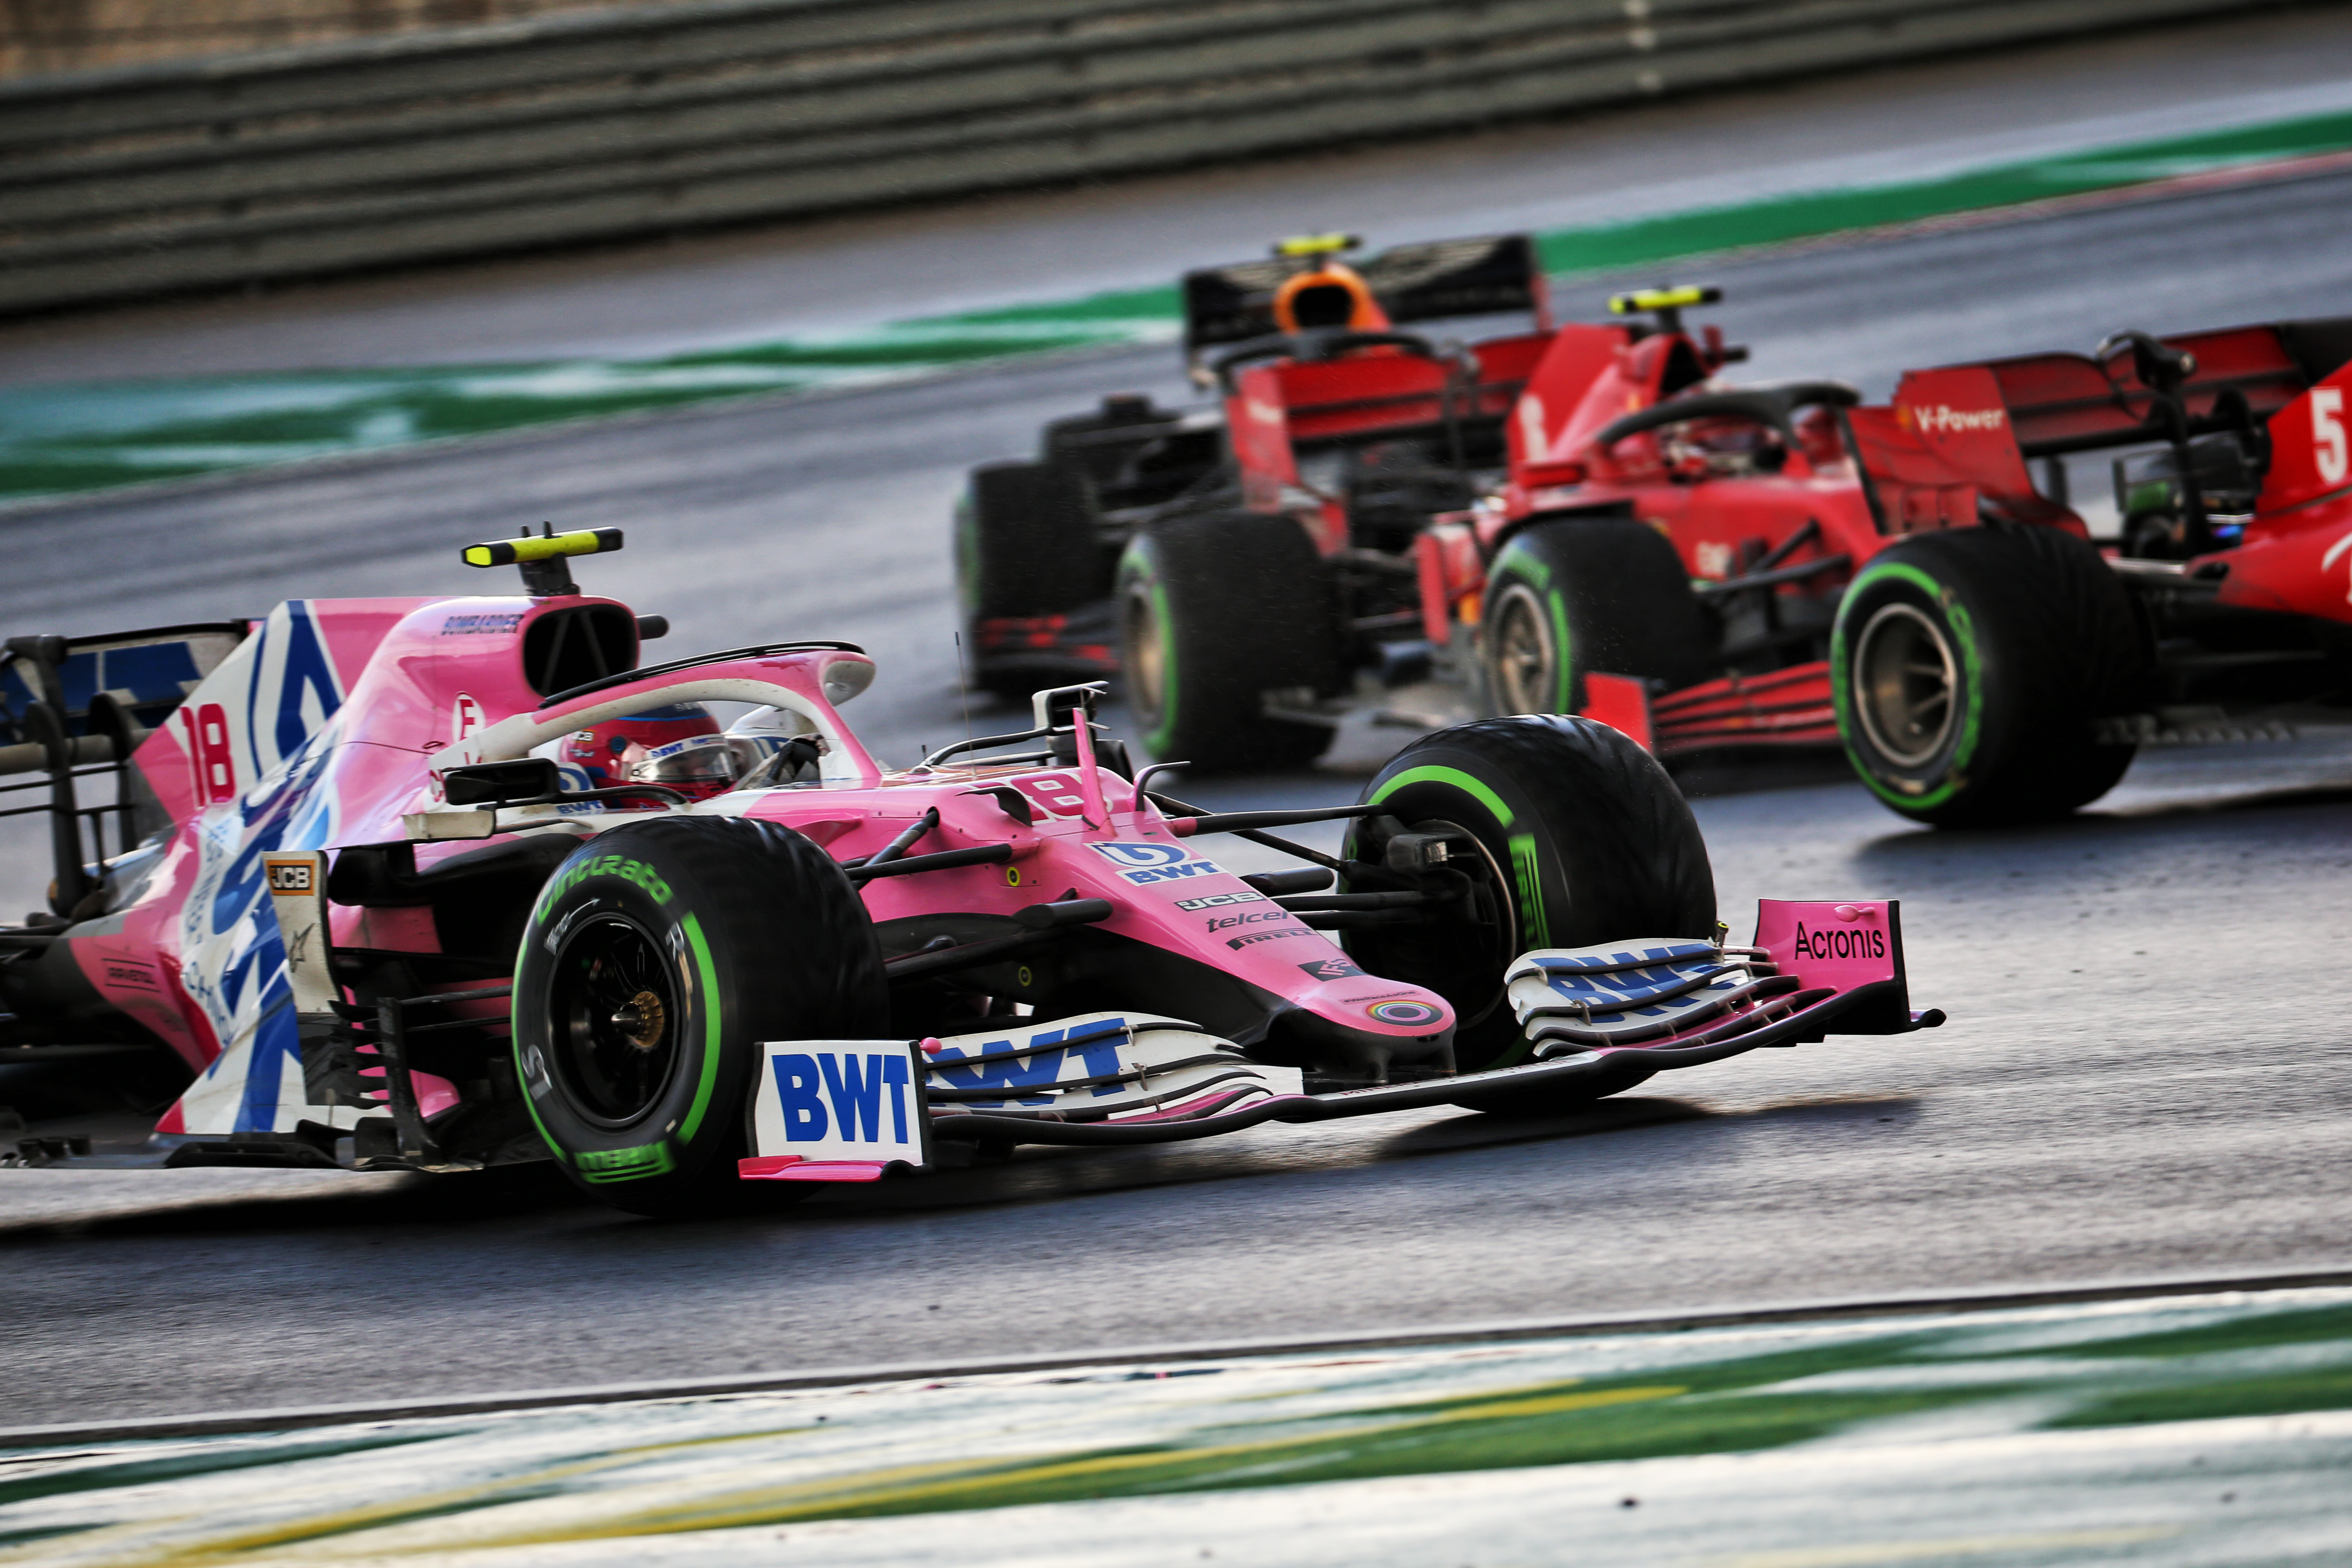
point(2146, 1075)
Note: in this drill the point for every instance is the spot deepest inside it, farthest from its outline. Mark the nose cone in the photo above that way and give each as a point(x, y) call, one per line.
point(1358, 1025)
point(1387, 1007)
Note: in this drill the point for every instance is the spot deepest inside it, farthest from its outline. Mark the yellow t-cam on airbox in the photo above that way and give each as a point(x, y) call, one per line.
point(1666, 304)
point(545, 547)
point(1306, 246)
point(543, 556)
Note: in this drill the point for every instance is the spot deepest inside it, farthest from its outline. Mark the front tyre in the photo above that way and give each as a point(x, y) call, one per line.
point(1574, 836)
point(657, 959)
point(1971, 670)
point(1214, 613)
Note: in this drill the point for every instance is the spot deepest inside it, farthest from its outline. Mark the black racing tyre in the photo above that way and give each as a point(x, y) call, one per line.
point(656, 959)
point(1582, 839)
point(1025, 546)
point(1580, 596)
point(1025, 542)
point(1970, 670)
point(1213, 613)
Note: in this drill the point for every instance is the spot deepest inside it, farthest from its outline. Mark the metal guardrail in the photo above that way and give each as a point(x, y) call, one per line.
point(208, 172)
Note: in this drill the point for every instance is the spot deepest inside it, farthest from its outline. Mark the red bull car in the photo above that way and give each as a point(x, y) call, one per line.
point(439, 884)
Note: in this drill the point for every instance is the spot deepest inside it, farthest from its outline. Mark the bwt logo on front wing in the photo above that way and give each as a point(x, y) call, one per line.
point(854, 1088)
point(1943, 418)
point(1144, 863)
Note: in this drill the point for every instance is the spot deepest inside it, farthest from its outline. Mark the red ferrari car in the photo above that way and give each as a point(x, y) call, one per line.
point(1767, 565)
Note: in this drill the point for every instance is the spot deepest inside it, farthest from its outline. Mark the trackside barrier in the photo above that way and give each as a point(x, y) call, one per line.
point(225, 171)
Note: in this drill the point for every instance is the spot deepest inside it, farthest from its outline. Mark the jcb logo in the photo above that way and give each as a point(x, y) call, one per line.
point(289, 876)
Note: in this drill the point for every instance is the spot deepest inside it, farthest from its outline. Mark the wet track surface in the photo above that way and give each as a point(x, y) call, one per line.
point(2146, 1074)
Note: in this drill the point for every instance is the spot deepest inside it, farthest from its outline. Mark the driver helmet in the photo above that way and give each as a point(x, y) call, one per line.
point(1332, 295)
point(679, 747)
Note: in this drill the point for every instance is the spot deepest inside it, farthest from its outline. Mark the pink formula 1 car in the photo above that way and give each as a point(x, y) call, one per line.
point(440, 884)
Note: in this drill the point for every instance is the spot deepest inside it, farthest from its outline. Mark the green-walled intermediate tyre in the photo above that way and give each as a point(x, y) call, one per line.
point(1025, 542)
point(656, 959)
point(1579, 838)
point(1971, 670)
point(1216, 613)
point(1026, 546)
point(1588, 596)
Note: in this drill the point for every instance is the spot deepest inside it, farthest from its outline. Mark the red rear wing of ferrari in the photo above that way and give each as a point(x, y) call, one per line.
point(2069, 403)
point(1954, 437)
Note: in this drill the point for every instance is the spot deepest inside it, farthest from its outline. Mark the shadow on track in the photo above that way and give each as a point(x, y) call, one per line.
point(460, 1205)
point(454, 1202)
point(2129, 831)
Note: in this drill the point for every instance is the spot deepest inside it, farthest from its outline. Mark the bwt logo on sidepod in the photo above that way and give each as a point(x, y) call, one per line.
point(1142, 863)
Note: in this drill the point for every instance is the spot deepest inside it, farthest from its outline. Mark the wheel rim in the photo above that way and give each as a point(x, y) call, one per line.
point(1147, 655)
point(1438, 966)
point(1906, 685)
point(1525, 663)
point(1507, 918)
point(613, 1014)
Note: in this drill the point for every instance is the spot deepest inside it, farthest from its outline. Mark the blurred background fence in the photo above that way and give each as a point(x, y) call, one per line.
point(38, 36)
point(403, 137)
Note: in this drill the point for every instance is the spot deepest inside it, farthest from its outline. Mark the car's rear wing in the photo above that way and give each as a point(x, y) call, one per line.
point(2059, 402)
point(1420, 282)
point(1956, 439)
point(142, 674)
point(76, 708)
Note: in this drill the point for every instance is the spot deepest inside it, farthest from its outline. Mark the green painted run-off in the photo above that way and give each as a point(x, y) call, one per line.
point(516, 1486)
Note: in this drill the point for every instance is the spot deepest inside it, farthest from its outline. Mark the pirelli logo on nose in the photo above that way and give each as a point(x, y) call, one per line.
point(289, 876)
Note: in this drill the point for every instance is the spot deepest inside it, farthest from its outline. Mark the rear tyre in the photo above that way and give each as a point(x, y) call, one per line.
point(1970, 670)
point(1026, 547)
point(658, 958)
point(1588, 596)
point(1581, 837)
point(1214, 613)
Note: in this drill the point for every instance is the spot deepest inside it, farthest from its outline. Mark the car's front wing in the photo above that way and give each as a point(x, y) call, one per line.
point(854, 1110)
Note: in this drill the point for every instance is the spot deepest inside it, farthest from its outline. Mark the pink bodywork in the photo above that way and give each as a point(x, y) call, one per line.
point(1082, 815)
point(331, 723)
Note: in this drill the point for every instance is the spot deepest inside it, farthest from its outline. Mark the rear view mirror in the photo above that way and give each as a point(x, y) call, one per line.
point(485, 783)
